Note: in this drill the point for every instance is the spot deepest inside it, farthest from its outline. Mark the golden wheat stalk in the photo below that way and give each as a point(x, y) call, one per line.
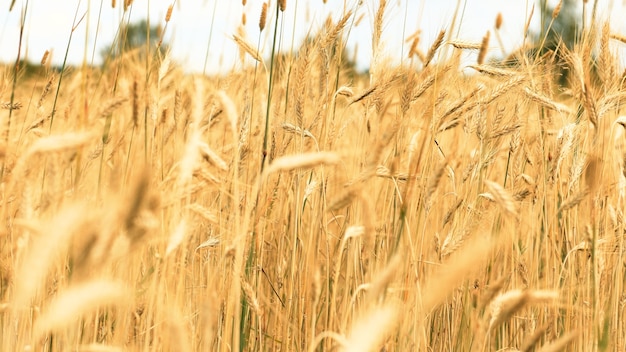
point(501, 197)
point(248, 48)
point(78, 300)
point(303, 161)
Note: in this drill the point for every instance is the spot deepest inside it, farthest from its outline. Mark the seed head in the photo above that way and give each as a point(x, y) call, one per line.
point(557, 9)
point(168, 15)
point(45, 57)
point(483, 49)
point(263, 17)
point(499, 20)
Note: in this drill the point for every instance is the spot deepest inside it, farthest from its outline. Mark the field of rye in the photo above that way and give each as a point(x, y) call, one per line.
point(293, 204)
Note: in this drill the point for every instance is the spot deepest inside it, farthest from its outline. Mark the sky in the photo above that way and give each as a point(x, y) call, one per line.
point(49, 23)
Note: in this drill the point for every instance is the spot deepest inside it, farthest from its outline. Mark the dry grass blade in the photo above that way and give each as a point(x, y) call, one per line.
point(296, 130)
point(11, 106)
point(434, 180)
point(45, 250)
point(59, 143)
point(611, 101)
point(503, 88)
point(455, 270)
point(491, 292)
point(46, 90)
point(547, 102)
point(496, 92)
point(378, 25)
point(504, 131)
point(364, 95)
point(205, 213)
point(532, 340)
point(78, 300)
point(383, 278)
point(230, 109)
point(593, 173)
point(573, 201)
point(303, 161)
point(501, 197)
point(251, 297)
point(427, 83)
point(209, 155)
point(177, 337)
point(561, 342)
point(382, 171)
point(459, 44)
point(442, 125)
point(493, 71)
point(176, 238)
point(345, 198)
point(344, 91)
point(211, 242)
point(590, 105)
point(247, 48)
point(370, 330)
point(450, 213)
point(96, 347)
point(434, 47)
point(506, 304)
point(618, 37)
point(331, 35)
point(164, 67)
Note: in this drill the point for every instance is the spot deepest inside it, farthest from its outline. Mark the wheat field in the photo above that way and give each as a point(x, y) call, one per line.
point(295, 205)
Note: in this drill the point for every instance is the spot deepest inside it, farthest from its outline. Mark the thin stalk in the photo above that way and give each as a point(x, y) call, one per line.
point(95, 41)
point(208, 46)
point(56, 95)
point(406, 11)
point(16, 69)
point(67, 51)
point(147, 68)
point(84, 95)
point(107, 123)
point(269, 93)
point(545, 35)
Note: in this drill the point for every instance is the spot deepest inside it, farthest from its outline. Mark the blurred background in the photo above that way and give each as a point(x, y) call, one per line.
point(199, 33)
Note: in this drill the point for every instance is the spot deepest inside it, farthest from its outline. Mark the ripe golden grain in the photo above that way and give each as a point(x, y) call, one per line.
point(78, 300)
point(434, 47)
point(499, 20)
point(168, 14)
point(484, 46)
point(351, 222)
point(263, 17)
point(247, 48)
point(303, 161)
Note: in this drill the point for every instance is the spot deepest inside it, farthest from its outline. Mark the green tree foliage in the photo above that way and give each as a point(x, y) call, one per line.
point(564, 29)
point(556, 34)
point(135, 36)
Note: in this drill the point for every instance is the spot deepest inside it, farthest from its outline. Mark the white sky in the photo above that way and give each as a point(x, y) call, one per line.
point(49, 22)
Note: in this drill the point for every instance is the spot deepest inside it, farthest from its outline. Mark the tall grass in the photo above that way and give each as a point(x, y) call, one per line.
point(312, 208)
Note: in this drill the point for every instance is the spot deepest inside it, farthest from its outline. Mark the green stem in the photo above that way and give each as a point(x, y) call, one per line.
point(208, 46)
point(67, 51)
point(269, 93)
